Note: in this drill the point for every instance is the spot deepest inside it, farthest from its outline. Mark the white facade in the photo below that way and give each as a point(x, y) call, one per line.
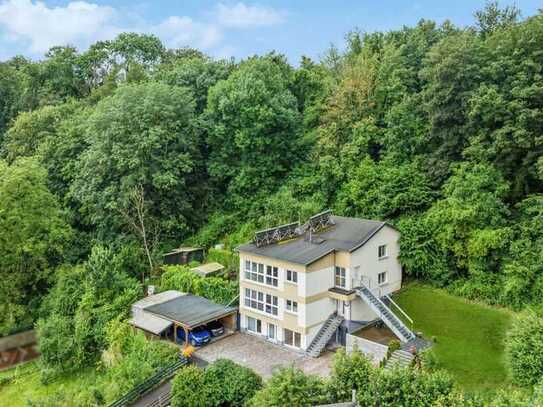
point(311, 292)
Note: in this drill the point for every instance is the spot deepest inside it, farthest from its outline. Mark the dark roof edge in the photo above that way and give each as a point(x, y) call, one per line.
point(358, 246)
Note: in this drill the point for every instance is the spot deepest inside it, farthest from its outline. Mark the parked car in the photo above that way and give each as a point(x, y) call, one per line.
point(216, 328)
point(197, 337)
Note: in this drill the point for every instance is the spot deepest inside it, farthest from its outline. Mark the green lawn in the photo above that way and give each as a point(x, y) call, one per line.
point(469, 336)
point(27, 386)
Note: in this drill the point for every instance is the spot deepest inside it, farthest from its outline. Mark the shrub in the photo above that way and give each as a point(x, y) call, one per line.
point(291, 387)
point(393, 346)
point(188, 388)
point(524, 348)
point(229, 384)
point(349, 371)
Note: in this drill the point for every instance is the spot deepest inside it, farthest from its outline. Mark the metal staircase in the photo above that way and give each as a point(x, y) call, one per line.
point(386, 315)
point(328, 329)
point(399, 358)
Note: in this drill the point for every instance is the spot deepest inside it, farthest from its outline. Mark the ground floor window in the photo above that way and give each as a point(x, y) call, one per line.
point(254, 325)
point(272, 331)
point(382, 278)
point(293, 338)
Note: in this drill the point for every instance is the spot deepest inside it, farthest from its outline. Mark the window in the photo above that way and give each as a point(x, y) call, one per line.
point(292, 306)
point(292, 276)
point(272, 274)
point(382, 251)
point(257, 300)
point(293, 338)
point(254, 325)
point(254, 271)
point(271, 331)
point(382, 277)
point(340, 277)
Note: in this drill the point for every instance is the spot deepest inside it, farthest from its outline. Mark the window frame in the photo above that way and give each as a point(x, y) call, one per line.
point(340, 276)
point(254, 271)
point(385, 280)
point(291, 306)
point(292, 276)
point(296, 337)
point(272, 276)
point(385, 251)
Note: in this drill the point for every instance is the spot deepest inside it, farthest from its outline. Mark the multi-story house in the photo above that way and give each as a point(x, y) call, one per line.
point(304, 285)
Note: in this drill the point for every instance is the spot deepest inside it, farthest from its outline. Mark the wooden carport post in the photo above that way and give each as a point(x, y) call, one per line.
point(186, 336)
point(174, 333)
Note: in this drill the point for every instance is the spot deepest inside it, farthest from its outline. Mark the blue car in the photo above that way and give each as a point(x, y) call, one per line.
point(197, 337)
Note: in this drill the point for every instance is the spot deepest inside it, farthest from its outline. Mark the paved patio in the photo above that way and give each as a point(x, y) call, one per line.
point(262, 356)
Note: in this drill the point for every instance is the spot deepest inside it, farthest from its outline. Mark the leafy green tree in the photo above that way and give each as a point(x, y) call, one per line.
point(492, 17)
point(142, 136)
point(349, 372)
point(524, 348)
point(34, 236)
point(188, 388)
point(229, 384)
point(291, 387)
point(82, 303)
point(254, 128)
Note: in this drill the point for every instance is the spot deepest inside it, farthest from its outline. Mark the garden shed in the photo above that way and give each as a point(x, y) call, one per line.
point(184, 255)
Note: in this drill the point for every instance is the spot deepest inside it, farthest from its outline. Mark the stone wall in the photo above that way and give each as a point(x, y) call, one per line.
point(373, 350)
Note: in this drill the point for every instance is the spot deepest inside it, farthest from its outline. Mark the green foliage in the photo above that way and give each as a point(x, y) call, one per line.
point(142, 135)
point(222, 383)
point(216, 289)
point(349, 371)
point(524, 348)
point(34, 237)
point(229, 259)
point(291, 387)
point(84, 299)
point(188, 388)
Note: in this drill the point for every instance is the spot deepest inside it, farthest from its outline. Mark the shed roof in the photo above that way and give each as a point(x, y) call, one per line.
point(150, 323)
point(190, 310)
point(347, 234)
point(185, 249)
point(157, 299)
point(208, 268)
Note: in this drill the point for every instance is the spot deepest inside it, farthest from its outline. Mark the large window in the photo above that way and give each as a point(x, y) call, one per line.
point(292, 306)
point(254, 271)
point(292, 276)
point(272, 275)
point(293, 338)
point(254, 325)
point(340, 280)
point(262, 302)
point(382, 251)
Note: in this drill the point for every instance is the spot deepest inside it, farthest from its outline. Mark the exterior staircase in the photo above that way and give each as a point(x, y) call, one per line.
point(386, 315)
point(399, 358)
point(328, 329)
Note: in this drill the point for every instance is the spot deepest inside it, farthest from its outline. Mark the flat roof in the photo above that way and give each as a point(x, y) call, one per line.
point(190, 310)
point(208, 268)
point(150, 323)
point(157, 299)
point(183, 250)
point(347, 234)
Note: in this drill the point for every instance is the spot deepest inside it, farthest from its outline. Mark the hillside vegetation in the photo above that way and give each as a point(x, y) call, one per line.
point(113, 155)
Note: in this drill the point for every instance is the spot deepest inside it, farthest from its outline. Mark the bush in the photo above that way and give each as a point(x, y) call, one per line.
point(223, 383)
point(291, 387)
point(229, 384)
point(524, 348)
point(188, 388)
point(214, 288)
point(349, 371)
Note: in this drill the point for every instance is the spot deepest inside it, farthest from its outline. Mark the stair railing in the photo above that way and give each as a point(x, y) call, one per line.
point(401, 310)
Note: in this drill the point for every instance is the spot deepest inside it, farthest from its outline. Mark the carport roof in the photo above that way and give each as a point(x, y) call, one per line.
point(190, 310)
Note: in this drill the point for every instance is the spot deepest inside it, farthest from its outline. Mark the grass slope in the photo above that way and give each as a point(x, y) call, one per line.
point(27, 385)
point(469, 336)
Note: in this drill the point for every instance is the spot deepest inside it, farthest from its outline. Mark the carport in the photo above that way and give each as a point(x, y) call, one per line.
point(191, 311)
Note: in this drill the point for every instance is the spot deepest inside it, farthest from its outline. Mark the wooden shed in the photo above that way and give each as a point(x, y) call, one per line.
point(184, 255)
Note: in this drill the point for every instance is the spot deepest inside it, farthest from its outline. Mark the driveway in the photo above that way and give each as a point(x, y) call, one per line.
point(262, 356)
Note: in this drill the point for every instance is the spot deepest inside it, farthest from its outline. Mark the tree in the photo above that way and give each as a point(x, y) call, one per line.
point(254, 128)
point(188, 388)
point(524, 348)
point(349, 372)
point(291, 387)
point(492, 17)
point(141, 137)
point(34, 237)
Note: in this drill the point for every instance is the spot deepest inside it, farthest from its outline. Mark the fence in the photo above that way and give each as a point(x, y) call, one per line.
point(374, 350)
point(140, 389)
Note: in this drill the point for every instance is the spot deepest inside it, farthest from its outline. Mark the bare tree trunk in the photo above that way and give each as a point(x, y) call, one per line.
point(136, 218)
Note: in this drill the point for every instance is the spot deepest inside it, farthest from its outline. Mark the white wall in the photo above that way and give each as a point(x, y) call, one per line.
point(370, 265)
point(318, 311)
point(316, 282)
point(373, 350)
point(360, 311)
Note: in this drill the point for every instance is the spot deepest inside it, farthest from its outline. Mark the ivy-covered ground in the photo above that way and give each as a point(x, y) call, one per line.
point(469, 336)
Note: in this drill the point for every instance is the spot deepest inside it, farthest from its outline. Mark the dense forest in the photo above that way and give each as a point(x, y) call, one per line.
point(112, 155)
